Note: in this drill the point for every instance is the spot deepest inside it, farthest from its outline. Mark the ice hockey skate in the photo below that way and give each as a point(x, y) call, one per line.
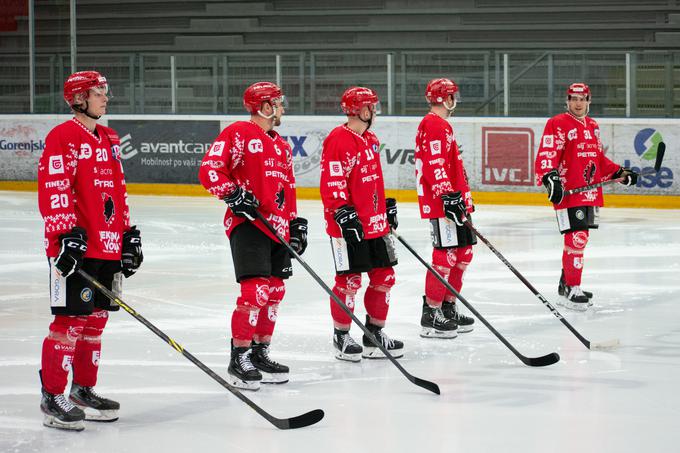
point(60, 413)
point(345, 346)
point(95, 407)
point(242, 372)
point(371, 351)
point(272, 372)
point(563, 289)
point(435, 325)
point(574, 299)
point(451, 311)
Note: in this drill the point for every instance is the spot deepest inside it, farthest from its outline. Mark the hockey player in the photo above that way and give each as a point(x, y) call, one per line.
point(570, 156)
point(250, 168)
point(83, 200)
point(358, 220)
point(444, 198)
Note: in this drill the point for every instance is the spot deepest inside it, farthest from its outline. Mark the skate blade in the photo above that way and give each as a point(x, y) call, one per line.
point(465, 329)
point(348, 357)
point(429, 332)
point(274, 378)
point(376, 353)
point(96, 415)
point(53, 422)
point(244, 385)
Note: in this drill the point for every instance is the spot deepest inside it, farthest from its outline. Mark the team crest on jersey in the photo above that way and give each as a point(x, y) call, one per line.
point(280, 197)
point(216, 149)
point(548, 141)
point(589, 172)
point(435, 147)
point(255, 146)
point(572, 134)
point(56, 165)
point(109, 208)
point(335, 168)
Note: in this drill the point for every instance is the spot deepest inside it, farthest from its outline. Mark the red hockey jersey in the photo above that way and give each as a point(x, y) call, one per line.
point(81, 183)
point(260, 162)
point(573, 147)
point(351, 174)
point(439, 167)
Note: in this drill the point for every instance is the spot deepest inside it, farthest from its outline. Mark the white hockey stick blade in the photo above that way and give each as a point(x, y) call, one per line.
point(608, 344)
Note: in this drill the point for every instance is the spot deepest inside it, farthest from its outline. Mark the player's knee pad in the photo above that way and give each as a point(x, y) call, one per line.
point(463, 257)
point(96, 322)
point(575, 242)
point(254, 293)
point(348, 284)
point(67, 329)
point(446, 258)
point(277, 289)
point(381, 279)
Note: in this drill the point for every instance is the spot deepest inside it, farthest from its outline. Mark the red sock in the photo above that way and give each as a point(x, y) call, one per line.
point(443, 260)
point(88, 349)
point(463, 260)
point(572, 256)
point(377, 297)
point(254, 295)
point(346, 287)
point(266, 319)
point(57, 351)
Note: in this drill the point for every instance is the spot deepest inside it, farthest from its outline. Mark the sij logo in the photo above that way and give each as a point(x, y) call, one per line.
point(507, 156)
point(646, 144)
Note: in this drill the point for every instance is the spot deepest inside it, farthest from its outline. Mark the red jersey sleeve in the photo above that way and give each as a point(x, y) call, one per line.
point(550, 150)
point(56, 173)
point(336, 165)
point(223, 156)
point(435, 150)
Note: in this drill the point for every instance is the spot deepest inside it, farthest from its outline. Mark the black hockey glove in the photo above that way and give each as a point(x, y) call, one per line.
point(553, 185)
point(348, 220)
point(454, 207)
point(391, 211)
point(298, 235)
point(242, 203)
point(132, 255)
point(73, 248)
point(630, 178)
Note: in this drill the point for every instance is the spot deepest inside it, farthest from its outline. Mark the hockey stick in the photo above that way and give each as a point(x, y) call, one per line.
point(660, 152)
point(431, 386)
point(545, 360)
point(299, 421)
point(600, 345)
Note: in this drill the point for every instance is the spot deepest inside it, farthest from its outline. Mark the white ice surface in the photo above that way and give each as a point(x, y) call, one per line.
point(625, 400)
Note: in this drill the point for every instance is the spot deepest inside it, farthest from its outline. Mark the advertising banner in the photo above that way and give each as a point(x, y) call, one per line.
point(498, 153)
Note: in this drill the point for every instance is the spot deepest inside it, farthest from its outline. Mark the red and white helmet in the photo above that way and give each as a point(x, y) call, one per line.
point(580, 89)
point(83, 81)
point(354, 98)
point(260, 92)
point(438, 90)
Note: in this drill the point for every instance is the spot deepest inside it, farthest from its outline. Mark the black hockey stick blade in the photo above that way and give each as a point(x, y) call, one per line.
point(427, 385)
point(545, 360)
point(299, 421)
point(660, 152)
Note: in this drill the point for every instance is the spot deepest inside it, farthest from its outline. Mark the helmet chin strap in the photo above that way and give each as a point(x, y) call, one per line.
point(368, 122)
point(84, 111)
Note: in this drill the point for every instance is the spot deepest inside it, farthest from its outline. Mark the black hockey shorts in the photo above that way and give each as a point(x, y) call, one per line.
point(75, 296)
point(363, 256)
point(446, 234)
point(256, 255)
point(578, 218)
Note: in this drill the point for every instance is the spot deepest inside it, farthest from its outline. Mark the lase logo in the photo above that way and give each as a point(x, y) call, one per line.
point(646, 143)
